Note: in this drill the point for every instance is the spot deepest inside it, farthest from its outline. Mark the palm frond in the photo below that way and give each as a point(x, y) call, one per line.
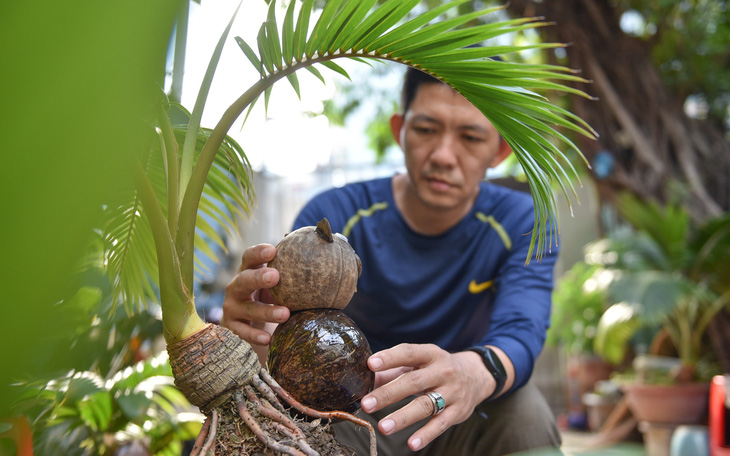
point(129, 245)
point(197, 114)
point(127, 236)
point(506, 92)
point(615, 328)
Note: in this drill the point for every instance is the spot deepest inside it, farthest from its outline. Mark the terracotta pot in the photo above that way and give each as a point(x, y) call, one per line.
point(668, 404)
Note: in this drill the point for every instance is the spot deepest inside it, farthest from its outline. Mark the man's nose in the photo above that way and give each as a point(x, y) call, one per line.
point(444, 153)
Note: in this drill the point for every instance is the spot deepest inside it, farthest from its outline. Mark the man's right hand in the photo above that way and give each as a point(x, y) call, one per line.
point(247, 307)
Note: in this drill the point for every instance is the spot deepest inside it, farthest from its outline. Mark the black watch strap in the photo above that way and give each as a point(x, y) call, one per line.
point(494, 366)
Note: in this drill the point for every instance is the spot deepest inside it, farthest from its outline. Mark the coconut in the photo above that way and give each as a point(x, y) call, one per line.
point(320, 357)
point(316, 269)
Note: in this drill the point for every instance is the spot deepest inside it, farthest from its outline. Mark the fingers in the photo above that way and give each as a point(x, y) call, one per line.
point(414, 370)
point(417, 410)
point(244, 284)
point(411, 355)
point(387, 376)
point(255, 256)
point(253, 275)
point(412, 361)
point(249, 319)
point(246, 305)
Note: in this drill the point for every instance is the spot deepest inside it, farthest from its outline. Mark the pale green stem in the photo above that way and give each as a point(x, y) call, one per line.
point(191, 135)
point(171, 154)
point(674, 331)
point(707, 316)
point(181, 37)
point(685, 341)
point(179, 318)
point(185, 239)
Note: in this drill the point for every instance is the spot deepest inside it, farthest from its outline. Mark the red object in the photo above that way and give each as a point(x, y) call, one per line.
point(720, 416)
point(19, 433)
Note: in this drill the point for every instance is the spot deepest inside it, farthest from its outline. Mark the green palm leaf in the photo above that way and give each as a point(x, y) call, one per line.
point(383, 18)
point(127, 236)
point(182, 198)
point(504, 91)
point(617, 326)
point(128, 243)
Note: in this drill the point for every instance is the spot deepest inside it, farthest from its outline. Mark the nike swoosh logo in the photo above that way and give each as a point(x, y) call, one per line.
point(475, 288)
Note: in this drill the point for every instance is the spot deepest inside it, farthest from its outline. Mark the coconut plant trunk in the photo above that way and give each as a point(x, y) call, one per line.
point(220, 374)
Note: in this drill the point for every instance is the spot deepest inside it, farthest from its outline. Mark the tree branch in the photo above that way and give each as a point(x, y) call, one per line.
point(684, 152)
point(642, 147)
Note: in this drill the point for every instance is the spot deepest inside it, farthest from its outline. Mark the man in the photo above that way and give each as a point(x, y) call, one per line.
point(454, 316)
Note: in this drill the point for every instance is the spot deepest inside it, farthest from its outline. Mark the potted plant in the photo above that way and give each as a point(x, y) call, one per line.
point(579, 299)
point(671, 280)
point(190, 174)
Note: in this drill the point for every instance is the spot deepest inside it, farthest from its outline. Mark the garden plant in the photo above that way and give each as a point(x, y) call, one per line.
point(189, 175)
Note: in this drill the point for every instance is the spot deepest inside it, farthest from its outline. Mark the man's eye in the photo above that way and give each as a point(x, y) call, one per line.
point(423, 130)
point(470, 138)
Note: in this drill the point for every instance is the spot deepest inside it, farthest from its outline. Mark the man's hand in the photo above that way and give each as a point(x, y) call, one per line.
point(247, 305)
point(413, 370)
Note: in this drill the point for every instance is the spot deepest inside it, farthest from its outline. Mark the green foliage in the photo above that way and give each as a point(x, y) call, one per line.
point(578, 302)
point(76, 81)
point(506, 92)
point(129, 243)
point(665, 277)
point(690, 42)
point(616, 327)
point(83, 413)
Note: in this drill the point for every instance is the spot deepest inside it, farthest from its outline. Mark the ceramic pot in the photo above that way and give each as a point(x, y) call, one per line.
point(668, 404)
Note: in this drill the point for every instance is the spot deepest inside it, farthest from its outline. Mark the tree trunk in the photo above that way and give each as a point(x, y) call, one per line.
point(656, 151)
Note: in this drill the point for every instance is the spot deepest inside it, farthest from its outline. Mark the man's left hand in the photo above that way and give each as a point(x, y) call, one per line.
point(416, 369)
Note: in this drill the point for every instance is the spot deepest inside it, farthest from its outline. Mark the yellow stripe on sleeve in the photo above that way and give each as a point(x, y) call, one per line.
point(497, 227)
point(360, 214)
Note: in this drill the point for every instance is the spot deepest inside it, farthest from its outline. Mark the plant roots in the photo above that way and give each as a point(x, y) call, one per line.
point(219, 373)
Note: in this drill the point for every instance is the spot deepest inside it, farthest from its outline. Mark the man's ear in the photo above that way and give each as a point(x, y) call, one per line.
point(503, 152)
point(396, 126)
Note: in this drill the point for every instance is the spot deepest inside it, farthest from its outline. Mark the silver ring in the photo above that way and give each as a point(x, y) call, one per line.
point(439, 404)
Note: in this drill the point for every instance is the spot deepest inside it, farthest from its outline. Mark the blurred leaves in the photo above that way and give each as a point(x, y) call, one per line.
point(76, 86)
point(83, 413)
point(691, 48)
point(579, 299)
point(665, 278)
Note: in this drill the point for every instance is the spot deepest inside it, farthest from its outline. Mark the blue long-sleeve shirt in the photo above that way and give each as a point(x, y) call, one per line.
point(467, 286)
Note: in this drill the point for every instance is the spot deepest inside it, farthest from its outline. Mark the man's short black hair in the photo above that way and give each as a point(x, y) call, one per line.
point(413, 80)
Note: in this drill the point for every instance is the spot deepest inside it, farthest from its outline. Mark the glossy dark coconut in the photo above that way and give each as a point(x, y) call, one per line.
point(320, 357)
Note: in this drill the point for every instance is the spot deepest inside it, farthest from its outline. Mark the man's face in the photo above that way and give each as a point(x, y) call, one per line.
point(448, 146)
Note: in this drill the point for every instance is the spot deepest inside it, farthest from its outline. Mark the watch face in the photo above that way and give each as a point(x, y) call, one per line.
point(494, 366)
point(496, 362)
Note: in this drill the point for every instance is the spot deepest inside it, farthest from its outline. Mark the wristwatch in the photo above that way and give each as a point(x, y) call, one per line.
point(494, 366)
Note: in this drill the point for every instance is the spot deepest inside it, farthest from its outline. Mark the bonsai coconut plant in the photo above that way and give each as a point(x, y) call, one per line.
point(190, 171)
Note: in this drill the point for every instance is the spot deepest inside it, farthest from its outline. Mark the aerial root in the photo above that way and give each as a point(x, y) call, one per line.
point(200, 438)
point(264, 389)
point(262, 435)
point(285, 425)
point(281, 392)
point(207, 434)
